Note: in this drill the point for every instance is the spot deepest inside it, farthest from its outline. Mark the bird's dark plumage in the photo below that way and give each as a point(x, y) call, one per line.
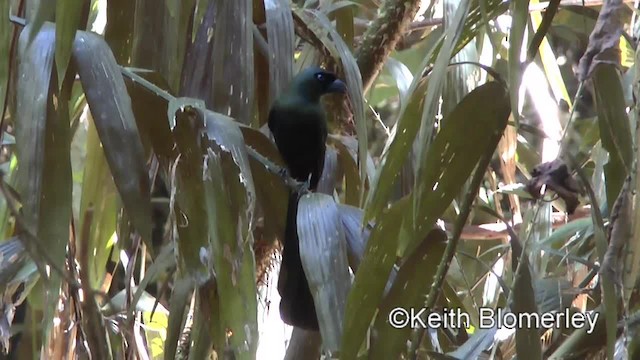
point(298, 124)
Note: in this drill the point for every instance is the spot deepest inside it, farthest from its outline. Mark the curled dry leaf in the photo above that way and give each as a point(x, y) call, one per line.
point(556, 177)
point(603, 41)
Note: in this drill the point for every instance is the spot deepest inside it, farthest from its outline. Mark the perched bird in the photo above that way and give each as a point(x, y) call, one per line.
point(298, 123)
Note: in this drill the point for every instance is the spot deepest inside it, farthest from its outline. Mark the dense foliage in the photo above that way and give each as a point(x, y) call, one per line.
point(483, 158)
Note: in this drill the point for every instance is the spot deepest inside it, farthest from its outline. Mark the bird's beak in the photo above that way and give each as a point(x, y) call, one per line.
point(337, 86)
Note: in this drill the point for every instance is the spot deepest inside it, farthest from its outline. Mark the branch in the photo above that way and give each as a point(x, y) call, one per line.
point(407, 40)
point(268, 164)
point(495, 231)
point(382, 36)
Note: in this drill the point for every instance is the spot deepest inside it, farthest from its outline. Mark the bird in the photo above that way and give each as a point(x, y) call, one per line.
point(298, 123)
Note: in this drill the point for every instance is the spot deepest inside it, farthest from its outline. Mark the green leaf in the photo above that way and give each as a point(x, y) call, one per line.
point(13, 256)
point(488, 106)
point(579, 340)
point(344, 17)
point(330, 173)
point(197, 74)
point(179, 304)
point(34, 74)
point(44, 12)
point(615, 130)
point(98, 193)
point(355, 236)
point(323, 253)
point(226, 134)
point(200, 336)
point(233, 73)
point(190, 207)
point(402, 77)
point(156, 320)
point(520, 17)
point(408, 292)
point(349, 167)
point(481, 340)
point(553, 294)
point(148, 108)
point(281, 45)
point(371, 277)
point(68, 14)
point(231, 252)
point(563, 233)
point(110, 106)
point(119, 30)
point(524, 302)
point(609, 303)
point(452, 158)
point(43, 138)
point(396, 152)
point(160, 34)
point(431, 102)
point(165, 260)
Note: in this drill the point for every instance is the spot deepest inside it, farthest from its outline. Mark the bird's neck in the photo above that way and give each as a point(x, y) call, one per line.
point(305, 94)
point(297, 100)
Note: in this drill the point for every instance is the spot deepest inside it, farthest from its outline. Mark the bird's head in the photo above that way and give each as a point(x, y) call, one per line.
point(314, 82)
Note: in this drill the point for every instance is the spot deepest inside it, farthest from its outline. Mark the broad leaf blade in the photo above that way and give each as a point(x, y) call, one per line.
point(197, 71)
point(110, 105)
point(233, 75)
point(179, 304)
point(450, 161)
point(44, 12)
point(524, 302)
point(43, 138)
point(452, 158)
point(615, 130)
point(67, 20)
point(280, 36)
point(226, 134)
point(98, 193)
point(187, 188)
point(408, 292)
point(323, 253)
point(371, 277)
point(434, 91)
point(232, 254)
point(327, 183)
point(34, 75)
point(396, 154)
point(403, 134)
point(520, 15)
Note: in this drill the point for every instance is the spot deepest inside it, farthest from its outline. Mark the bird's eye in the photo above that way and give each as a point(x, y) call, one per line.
point(320, 76)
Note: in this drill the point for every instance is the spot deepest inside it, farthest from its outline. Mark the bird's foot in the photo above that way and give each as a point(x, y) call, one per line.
point(284, 173)
point(288, 180)
point(304, 187)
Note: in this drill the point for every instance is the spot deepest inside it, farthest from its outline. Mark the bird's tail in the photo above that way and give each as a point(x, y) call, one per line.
point(296, 304)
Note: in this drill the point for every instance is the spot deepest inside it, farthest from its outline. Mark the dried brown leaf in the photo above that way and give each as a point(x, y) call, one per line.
point(603, 41)
point(556, 177)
